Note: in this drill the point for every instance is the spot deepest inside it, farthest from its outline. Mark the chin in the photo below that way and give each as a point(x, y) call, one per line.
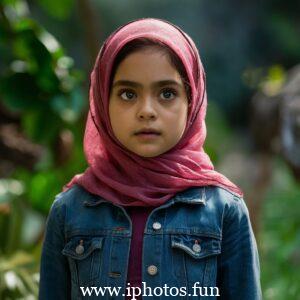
point(148, 154)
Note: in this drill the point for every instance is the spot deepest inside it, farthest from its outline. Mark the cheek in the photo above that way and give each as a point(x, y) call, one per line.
point(118, 110)
point(113, 113)
point(181, 121)
point(182, 124)
point(114, 110)
point(179, 117)
point(118, 120)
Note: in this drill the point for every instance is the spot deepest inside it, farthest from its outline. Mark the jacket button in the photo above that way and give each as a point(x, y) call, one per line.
point(80, 249)
point(156, 226)
point(152, 270)
point(196, 246)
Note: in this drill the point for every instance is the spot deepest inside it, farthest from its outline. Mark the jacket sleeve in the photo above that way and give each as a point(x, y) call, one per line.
point(54, 269)
point(238, 264)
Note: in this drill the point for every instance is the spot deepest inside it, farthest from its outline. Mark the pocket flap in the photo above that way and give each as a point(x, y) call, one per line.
point(81, 247)
point(196, 246)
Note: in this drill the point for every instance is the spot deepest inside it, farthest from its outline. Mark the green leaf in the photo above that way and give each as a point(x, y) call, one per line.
point(41, 126)
point(19, 92)
point(57, 8)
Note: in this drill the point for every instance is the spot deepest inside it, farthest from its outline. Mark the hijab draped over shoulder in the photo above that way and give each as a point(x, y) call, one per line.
point(123, 177)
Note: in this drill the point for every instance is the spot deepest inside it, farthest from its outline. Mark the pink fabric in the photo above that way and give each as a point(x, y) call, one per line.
point(126, 178)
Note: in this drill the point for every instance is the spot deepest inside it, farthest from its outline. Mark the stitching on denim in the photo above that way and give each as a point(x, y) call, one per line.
point(185, 247)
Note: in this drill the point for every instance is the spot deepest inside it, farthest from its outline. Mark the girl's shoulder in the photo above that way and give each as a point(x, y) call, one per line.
point(222, 197)
point(223, 194)
point(232, 206)
point(74, 195)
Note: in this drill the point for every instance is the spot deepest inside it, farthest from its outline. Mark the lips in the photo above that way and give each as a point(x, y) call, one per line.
point(147, 131)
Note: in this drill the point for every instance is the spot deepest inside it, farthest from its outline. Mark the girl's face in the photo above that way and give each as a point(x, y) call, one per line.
point(147, 93)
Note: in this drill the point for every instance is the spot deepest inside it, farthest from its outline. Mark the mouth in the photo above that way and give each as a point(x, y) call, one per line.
point(147, 131)
point(147, 134)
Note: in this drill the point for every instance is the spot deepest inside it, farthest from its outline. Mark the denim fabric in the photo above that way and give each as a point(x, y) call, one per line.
point(210, 217)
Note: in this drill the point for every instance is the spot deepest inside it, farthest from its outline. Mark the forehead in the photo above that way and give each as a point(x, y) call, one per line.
point(147, 65)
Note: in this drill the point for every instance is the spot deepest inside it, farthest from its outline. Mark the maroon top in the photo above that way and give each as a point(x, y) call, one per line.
point(139, 216)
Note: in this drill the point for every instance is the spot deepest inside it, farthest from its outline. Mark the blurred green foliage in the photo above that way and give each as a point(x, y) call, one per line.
point(56, 8)
point(280, 236)
point(39, 84)
point(48, 90)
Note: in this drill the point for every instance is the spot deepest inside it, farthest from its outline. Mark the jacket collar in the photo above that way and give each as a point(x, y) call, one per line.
point(194, 195)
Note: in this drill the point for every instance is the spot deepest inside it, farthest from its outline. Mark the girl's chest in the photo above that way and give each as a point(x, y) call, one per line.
point(180, 246)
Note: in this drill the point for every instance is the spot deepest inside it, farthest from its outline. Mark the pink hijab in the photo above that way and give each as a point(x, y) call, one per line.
point(123, 177)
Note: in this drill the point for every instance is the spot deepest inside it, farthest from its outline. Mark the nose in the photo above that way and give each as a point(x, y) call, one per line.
point(146, 109)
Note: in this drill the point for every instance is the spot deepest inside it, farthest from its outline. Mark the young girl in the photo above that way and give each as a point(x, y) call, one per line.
point(149, 218)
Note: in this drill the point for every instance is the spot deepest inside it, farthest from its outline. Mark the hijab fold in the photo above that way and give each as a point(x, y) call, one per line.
point(123, 177)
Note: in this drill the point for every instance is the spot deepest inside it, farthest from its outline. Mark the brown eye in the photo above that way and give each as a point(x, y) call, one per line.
point(168, 94)
point(126, 94)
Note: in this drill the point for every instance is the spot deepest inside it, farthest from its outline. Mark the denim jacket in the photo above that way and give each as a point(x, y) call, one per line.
point(202, 234)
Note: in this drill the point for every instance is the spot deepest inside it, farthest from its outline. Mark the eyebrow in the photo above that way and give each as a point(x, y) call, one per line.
point(154, 84)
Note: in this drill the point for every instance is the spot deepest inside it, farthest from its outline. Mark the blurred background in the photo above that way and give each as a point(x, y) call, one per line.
point(251, 53)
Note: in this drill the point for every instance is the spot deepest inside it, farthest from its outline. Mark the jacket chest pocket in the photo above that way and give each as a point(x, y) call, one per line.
point(195, 260)
point(84, 256)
